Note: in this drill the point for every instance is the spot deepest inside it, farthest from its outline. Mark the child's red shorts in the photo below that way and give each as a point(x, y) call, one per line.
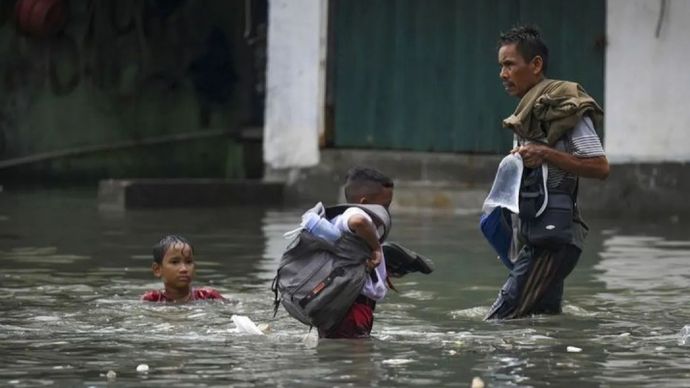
point(358, 321)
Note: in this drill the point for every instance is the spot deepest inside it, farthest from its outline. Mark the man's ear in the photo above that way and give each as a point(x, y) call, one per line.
point(537, 64)
point(156, 268)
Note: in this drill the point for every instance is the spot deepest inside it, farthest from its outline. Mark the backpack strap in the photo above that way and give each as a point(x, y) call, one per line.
point(377, 212)
point(276, 298)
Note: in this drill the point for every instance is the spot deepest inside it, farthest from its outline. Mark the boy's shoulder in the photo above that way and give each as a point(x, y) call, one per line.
point(353, 210)
point(154, 296)
point(206, 293)
point(341, 220)
point(197, 294)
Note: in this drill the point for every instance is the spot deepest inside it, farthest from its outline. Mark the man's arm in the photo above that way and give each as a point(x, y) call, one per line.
point(534, 155)
point(365, 229)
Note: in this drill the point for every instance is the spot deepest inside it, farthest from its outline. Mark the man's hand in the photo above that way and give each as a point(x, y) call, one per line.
point(374, 260)
point(533, 154)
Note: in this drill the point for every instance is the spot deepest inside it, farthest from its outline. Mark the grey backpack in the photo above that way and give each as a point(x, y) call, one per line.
point(318, 280)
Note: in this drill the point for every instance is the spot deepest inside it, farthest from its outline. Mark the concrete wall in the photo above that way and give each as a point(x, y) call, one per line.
point(295, 82)
point(149, 70)
point(647, 83)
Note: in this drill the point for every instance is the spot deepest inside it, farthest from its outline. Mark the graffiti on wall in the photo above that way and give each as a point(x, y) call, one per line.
point(127, 49)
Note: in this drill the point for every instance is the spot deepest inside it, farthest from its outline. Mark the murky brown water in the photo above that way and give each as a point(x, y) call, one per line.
point(71, 277)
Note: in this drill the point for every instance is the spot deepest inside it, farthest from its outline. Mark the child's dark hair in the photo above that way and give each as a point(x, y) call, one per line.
point(528, 41)
point(165, 243)
point(362, 181)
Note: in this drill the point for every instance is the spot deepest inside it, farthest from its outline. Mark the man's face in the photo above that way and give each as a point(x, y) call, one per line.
point(517, 74)
point(177, 267)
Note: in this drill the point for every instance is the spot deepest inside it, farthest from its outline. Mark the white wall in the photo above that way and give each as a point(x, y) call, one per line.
point(295, 82)
point(647, 81)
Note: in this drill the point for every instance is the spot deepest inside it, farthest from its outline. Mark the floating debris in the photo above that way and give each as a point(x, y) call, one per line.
point(142, 368)
point(573, 349)
point(477, 382)
point(684, 335)
point(246, 325)
point(311, 339)
point(111, 375)
point(397, 361)
point(264, 327)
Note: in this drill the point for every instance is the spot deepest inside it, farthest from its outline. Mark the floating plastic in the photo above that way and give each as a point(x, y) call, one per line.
point(311, 339)
point(397, 361)
point(246, 325)
point(477, 382)
point(684, 335)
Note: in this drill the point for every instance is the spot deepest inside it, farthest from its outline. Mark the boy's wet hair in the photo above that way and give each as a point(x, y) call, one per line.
point(528, 41)
point(363, 181)
point(165, 243)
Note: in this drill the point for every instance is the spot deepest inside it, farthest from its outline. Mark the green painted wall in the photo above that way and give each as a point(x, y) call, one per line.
point(423, 75)
point(124, 71)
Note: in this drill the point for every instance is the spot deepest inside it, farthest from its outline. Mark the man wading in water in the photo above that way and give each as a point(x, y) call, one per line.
point(554, 123)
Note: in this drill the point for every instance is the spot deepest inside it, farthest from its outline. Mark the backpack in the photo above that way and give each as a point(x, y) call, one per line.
point(318, 280)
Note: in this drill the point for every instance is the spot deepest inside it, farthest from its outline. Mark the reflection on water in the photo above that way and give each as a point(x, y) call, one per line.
point(71, 278)
point(630, 259)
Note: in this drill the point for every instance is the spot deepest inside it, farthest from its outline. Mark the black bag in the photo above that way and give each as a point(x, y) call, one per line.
point(553, 227)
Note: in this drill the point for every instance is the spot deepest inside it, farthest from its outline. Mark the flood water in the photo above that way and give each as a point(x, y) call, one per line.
point(71, 278)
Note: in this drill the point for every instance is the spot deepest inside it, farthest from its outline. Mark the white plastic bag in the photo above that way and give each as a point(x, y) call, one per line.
point(245, 325)
point(505, 191)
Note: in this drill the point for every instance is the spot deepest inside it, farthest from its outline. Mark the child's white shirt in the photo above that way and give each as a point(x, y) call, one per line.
point(375, 290)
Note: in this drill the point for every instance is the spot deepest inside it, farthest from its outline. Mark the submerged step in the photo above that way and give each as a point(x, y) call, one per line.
point(443, 196)
point(436, 196)
point(120, 194)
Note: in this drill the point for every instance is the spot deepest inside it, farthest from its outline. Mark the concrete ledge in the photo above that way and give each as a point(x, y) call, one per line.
point(418, 171)
point(442, 197)
point(160, 193)
point(639, 190)
point(648, 191)
point(459, 183)
point(469, 169)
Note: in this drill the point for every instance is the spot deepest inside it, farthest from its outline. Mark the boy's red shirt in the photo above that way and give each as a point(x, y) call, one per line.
point(197, 294)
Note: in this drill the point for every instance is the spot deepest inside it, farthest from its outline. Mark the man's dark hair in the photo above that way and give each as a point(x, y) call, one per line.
point(165, 243)
point(528, 41)
point(362, 181)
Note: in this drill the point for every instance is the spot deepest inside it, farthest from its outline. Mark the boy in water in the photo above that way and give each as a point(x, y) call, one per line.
point(365, 186)
point(173, 262)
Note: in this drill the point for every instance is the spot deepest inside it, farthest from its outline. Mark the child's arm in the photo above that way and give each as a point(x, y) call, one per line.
point(364, 228)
